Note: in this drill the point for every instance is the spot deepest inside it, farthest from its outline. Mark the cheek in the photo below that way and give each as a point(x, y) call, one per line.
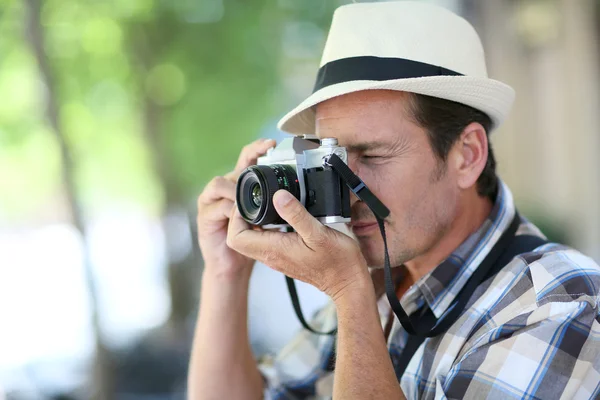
point(448, 200)
point(391, 182)
point(384, 182)
point(419, 204)
point(405, 187)
point(434, 208)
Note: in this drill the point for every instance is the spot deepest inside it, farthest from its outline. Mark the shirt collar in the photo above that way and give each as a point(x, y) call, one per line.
point(441, 285)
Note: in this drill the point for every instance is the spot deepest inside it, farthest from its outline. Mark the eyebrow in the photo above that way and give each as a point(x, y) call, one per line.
point(361, 147)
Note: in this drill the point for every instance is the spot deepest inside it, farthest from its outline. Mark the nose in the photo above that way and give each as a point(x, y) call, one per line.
point(353, 199)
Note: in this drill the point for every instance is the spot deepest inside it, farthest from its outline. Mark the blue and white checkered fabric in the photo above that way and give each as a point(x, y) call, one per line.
point(532, 332)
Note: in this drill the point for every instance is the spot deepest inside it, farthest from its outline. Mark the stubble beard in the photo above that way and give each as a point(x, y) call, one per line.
point(399, 248)
point(373, 250)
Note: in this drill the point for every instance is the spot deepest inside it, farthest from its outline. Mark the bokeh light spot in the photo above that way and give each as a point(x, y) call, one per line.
point(108, 100)
point(165, 84)
point(203, 12)
point(134, 8)
point(102, 37)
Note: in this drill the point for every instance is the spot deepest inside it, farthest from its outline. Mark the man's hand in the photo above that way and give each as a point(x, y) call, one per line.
point(214, 207)
point(221, 351)
point(333, 263)
point(315, 254)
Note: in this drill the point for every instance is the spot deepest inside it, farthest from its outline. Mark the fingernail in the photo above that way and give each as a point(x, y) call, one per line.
point(282, 198)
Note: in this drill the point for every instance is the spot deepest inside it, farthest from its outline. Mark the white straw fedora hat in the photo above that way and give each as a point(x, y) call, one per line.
point(407, 46)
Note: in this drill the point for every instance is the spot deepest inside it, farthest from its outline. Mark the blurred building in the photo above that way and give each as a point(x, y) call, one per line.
point(548, 149)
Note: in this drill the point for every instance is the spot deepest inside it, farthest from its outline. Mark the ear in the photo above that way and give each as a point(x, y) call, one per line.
point(470, 155)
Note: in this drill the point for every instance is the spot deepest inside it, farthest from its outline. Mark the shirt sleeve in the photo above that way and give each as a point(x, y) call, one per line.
point(551, 352)
point(300, 369)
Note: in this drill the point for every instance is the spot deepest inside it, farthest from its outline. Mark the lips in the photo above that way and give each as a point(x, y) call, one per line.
point(361, 228)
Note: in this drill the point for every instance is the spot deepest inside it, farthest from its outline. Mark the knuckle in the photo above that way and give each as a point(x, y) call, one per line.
point(231, 176)
point(210, 186)
point(203, 197)
point(217, 181)
point(213, 186)
point(288, 241)
point(230, 241)
point(297, 214)
point(321, 240)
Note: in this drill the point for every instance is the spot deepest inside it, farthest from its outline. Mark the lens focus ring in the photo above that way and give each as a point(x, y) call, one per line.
point(256, 187)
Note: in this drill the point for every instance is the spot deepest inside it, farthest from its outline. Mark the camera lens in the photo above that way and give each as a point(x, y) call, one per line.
point(256, 195)
point(256, 187)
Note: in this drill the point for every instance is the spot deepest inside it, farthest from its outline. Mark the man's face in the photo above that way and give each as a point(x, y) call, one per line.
point(394, 158)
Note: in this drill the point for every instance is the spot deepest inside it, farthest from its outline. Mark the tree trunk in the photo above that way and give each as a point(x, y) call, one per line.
point(101, 377)
point(182, 275)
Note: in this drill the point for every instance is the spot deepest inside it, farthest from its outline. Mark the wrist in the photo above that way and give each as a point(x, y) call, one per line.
point(359, 288)
point(357, 304)
point(226, 276)
point(221, 291)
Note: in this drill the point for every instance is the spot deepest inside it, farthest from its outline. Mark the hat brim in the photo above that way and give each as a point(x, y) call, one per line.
point(490, 96)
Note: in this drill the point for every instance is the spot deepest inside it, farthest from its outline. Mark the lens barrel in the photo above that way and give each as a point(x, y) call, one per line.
point(256, 187)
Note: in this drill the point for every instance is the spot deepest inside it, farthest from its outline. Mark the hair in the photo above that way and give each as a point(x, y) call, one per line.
point(444, 121)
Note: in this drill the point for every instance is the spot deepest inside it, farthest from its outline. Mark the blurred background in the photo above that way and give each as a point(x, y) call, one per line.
point(115, 114)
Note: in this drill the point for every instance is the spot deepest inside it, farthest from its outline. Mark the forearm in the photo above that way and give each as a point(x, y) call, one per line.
point(222, 364)
point(363, 368)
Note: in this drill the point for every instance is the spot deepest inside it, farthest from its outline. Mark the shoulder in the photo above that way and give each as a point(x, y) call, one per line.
point(558, 273)
point(552, 282)
point(535, 330)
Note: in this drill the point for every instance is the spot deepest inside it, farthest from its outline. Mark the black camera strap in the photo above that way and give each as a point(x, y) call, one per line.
point(296, 304)
point(361, 190)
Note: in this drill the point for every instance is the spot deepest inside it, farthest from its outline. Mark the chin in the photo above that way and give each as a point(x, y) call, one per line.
point(372, 251)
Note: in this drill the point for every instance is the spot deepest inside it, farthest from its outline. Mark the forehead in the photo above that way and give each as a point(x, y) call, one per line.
point(361, 118)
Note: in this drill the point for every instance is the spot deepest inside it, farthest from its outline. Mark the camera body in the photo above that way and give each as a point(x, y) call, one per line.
point(297, 165)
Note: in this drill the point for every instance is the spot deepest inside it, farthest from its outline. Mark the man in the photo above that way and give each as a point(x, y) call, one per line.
point(403, 86)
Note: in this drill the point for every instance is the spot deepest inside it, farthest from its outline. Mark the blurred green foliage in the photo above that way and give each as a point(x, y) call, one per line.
point(178, 86)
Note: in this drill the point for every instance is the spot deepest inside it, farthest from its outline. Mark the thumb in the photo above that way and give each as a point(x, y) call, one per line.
point(294, 213)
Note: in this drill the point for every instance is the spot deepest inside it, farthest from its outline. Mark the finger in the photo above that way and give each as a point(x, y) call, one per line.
point(294, 213)
point(218, 211)
point(237, 224)
point(256, 244)
point(232, 176)
point(219, 188)
point(251, 152)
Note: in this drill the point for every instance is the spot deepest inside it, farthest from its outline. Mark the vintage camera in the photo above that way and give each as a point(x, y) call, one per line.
point(299, 166)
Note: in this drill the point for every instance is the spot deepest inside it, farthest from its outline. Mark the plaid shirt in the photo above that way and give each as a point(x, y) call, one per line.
point(531, 332)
